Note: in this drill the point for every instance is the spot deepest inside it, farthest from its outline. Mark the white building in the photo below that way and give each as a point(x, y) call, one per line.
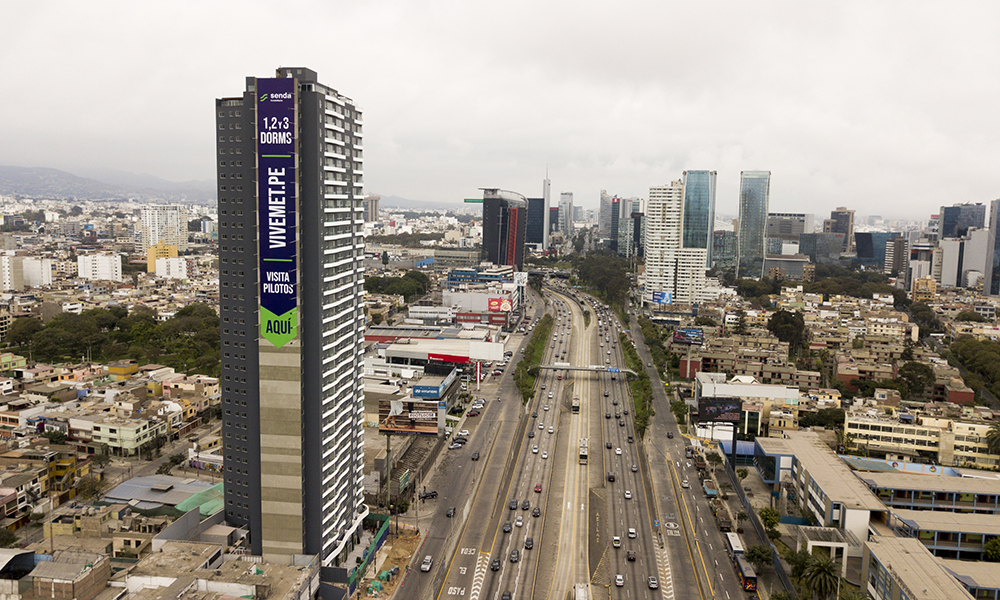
point(12, 272)
point(164, 223)
point(37, 271)
point(103, 266)
point(675, 272)
point(176, 268)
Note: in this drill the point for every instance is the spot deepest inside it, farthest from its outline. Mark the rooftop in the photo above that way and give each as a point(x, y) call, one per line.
point(931, 483)
point(915, 568)
point(832, 475)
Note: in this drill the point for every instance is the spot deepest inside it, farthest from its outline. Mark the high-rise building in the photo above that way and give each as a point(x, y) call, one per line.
point(553, 220)
point(789, 226)
point(956, 220)
point(291, 253)
point(566, 214)
point(841, 221)
point(546, 202)
point(604, 215)
point(616, 214)
point(673, 273)
point(100, 266)
point(724, 248)
point(897, 257)
point(754, 191)
point(991, 281)
point(371, 207)
point(699, 211)
point(534, 229)
point(164, 224)
point(504, 222)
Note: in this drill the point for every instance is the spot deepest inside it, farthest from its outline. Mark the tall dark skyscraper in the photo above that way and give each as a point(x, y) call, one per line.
point(754, 190)
point(504, 224)
point(956, 220)
point(699, 211)
point(991, 285)
point(535, 225)
point(291, 253)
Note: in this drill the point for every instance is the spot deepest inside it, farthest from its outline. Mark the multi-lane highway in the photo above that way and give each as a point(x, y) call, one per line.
point(533, 519)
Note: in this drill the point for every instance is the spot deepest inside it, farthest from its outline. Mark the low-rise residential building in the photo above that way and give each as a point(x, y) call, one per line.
point(897, 568)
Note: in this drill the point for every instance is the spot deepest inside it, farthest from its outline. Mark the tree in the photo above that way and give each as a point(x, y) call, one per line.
point(22, 330)
point(742, 473)
point(969, 315)
point(55, 436)
point(858, 343)
point(850, 594)
point(991, 552)
point(916, 376)
point(7, 538)
point(714, 459)
point(769, 517)
point(741, 517)
point(789, 327)
point(164, 469)
point(758, 555)
point(100, 460)
point(781, 595)
point(385, 258)
point(741, 323)
point(705, 321)
point(993, 445)
point(90, 487)
point(773, 534)
point(821, 577)
point(798, 560)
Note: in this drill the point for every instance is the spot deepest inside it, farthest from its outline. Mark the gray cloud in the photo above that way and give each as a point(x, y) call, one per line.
point(888, 108)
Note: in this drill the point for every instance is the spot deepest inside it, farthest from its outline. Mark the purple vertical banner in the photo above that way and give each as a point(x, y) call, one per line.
point(276, 210)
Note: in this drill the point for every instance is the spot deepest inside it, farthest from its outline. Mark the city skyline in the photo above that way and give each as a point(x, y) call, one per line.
point(841, 114)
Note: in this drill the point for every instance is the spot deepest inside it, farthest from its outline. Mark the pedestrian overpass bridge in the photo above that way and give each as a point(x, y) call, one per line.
point(596, 368)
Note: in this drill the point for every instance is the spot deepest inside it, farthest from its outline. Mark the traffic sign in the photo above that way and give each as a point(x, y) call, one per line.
point(656, 523)
point(613, 370)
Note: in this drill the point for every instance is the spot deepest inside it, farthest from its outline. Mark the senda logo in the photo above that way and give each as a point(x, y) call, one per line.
point(276, 97)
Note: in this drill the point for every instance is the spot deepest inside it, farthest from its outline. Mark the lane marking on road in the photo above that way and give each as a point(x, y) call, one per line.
point(666, 578)
point(480, 575)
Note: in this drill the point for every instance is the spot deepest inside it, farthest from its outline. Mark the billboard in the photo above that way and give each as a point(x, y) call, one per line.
point(408, 415)
point(435, 391)
point(720, 409)
point(689, 336)
point(499, 304)
point(663, 297)
point(276, 217)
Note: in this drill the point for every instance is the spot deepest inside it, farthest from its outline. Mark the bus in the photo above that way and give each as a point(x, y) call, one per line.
point(576, 405)
point(734, 544)
point(583, 451)
point(748, 578)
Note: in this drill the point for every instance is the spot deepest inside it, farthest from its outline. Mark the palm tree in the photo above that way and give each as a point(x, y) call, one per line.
point(851, 594)
point(821, 577)
point(993, 438)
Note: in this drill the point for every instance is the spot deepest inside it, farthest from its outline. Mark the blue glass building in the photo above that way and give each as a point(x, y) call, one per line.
point(754, 190)
point(991, 287)
point(699, 211)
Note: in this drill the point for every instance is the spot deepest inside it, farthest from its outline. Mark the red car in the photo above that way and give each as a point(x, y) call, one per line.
point(472, 413)
point(538, 487)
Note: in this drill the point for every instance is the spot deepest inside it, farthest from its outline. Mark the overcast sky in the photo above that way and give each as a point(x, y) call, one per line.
point(889, 108)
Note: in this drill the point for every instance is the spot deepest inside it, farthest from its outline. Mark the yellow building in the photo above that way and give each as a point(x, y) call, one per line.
point(160, 250)
point(924, 289)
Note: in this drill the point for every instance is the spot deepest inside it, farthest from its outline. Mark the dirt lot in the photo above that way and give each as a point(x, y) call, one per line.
point(398, 554)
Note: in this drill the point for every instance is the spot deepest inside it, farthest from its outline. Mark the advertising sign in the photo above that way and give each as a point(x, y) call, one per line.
point(276, 209)
point(689, 336)
point(407, 415)
point(499, 304)
point(663, 297)
point(720, 409)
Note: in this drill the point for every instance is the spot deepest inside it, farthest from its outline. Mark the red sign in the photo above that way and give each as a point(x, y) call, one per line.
point(500, 305)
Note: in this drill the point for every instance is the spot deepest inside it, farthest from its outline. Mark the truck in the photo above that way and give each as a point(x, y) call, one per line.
point(722, 516)
point(699, 462)
point(710, 489)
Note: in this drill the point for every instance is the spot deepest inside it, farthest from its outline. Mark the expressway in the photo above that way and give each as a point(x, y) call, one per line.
point(530, 484)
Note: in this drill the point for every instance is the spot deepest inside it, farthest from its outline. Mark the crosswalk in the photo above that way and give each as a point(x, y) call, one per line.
point(480, 575)
point(666, 579)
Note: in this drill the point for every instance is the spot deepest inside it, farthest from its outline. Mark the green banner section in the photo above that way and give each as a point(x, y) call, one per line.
point(279, 329)
point(474, 200)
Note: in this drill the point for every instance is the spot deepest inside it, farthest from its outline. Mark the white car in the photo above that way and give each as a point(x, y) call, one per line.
point(519, 522)
point(631, 532)
point(541, 425)
point(616, 542)
point(619, 580)
point(463, 433)
point(618, 451)
point(550, 395)
point(534, 449)
point(628, 494)
point(545, 455)
point(685, 484)
point(546, 407)
point(552, 430)
point(426, 565)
